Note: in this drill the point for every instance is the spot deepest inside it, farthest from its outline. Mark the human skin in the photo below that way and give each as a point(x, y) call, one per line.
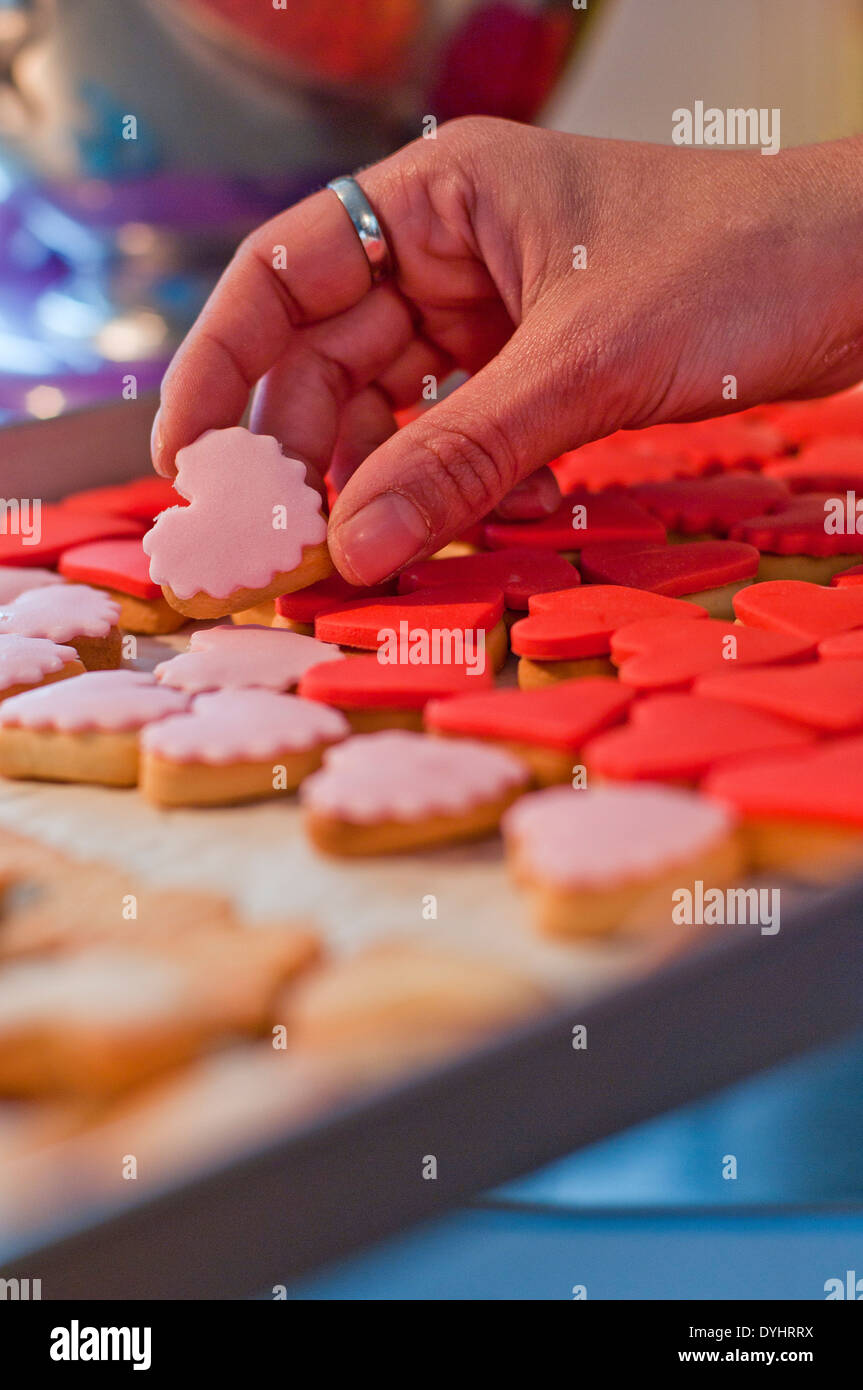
point(699, 264)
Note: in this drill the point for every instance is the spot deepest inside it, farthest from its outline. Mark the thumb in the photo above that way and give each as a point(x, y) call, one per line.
point(438, 475)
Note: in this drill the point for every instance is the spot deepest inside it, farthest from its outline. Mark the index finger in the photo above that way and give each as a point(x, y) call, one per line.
point(304, 265)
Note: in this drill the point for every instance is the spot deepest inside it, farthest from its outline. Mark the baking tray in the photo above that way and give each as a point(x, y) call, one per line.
point(324, 1175)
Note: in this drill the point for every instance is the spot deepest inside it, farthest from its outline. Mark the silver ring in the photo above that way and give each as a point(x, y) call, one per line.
point(366, 226)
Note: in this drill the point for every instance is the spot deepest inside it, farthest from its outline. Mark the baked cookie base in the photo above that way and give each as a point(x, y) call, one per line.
point(304, 629)
point(166, 783)
point(69, 668)
point(262, 615)
point(335, 836)
point(534, 674)
point(369, 721)
point(815, 569)
point(816, 851)
point(109, 760)
point(638, 906)
point(146, 617)
point(100, 653)
point(719, 602)
point(315, 564)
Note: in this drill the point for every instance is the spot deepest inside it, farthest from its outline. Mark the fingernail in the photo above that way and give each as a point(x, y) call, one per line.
point(382, 537)
point(157, 448)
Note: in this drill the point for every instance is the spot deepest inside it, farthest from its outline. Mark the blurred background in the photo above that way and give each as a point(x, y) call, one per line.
point(140, 140)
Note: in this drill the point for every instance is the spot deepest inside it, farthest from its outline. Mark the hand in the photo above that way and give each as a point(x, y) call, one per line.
point(699, 264)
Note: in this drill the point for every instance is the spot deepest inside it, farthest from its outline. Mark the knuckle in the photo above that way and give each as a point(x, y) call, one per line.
point(471, 466)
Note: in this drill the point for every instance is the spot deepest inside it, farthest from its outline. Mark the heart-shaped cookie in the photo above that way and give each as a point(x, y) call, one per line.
point(843, 646)
point(673, 570)
point(825, 465)
point(364, 683)
point(714, 504)
point(562, 716)
point(583, 518)
point(625, 457)
point(253, 528)
point(68, 613)
point(821, 783)
point(801, 421)
point(678, 738)
point(111, 564)
point(520, 573)
point(809, 611)
point(301, 608)
point(15, 580)
point(845, 579)
point(800, 528)
point(742, 440)
point(141, 499)
point(39, 536)
point(579, 623)
point(233, 658)
point(822, 695)
point(449, 607)
point(664, 654)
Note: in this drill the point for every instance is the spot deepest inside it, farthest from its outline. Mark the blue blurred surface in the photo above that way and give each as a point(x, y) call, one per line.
point(648, 1214)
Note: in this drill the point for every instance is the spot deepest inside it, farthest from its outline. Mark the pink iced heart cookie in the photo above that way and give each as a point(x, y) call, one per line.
point(239, 657)
point(15, 580)
point(253, 528)
point(27, 662)
point(600, 859)
point(235, 746)
point(84, 618)
point(395, 790)
point(84, 729)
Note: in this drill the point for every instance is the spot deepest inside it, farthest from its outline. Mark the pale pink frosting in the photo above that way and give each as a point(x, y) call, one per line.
point(105, 701)
point(402, 776)
point(226, 538)
point(16, 579)
point(61, 612)
point(599, 837)
point(26, 660)
point(244, 726)
point(232, 657)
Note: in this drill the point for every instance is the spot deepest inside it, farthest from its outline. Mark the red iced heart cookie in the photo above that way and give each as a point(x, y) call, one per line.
point(799, 529)
point(715, 504)
point(800, 421)
point(822, 783)
point(678, 738)
point(628, 456)
point(561, 716)
point(117, 564)
point(674, 570)
point(141, 499)
point(236, 545)
point(57, 529)
point(579, 623)
point(825, 465)
point(742, 440)
point(520, 573)
point(667, 654)
point(327, 596)
point(822, 695)
point(844, 646)
point(846, 579)
point(583, 518)
point(809, 611)
point(363, 682)
point(453, 607)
